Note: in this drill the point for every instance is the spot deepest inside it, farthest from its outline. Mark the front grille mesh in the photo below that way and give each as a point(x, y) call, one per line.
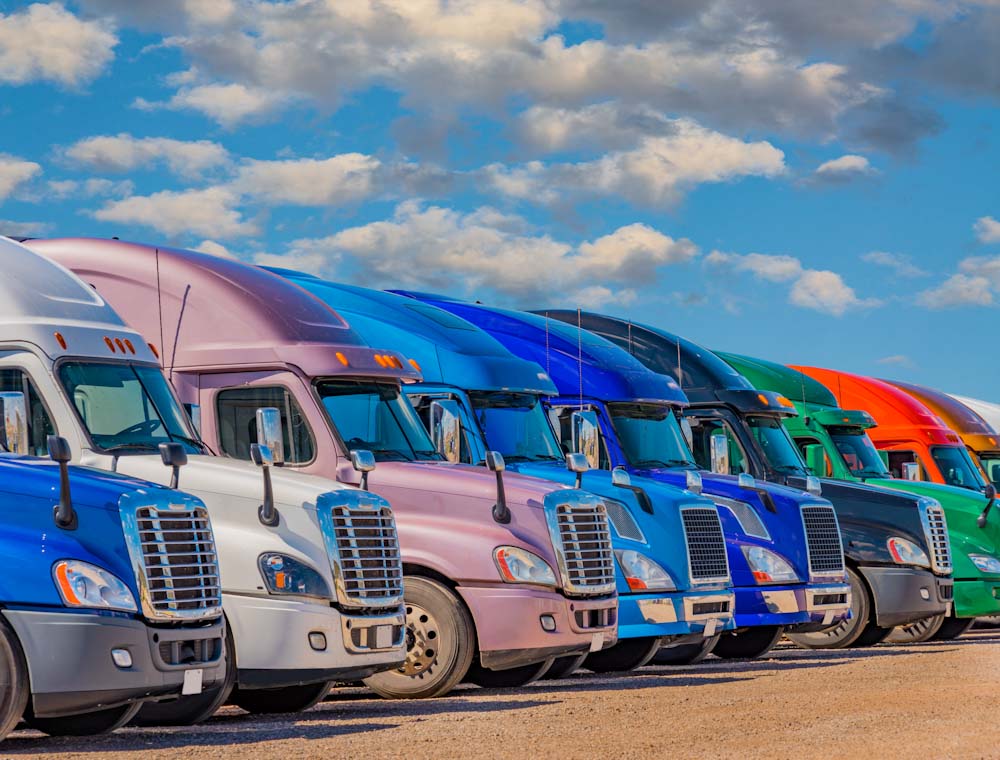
point(179, 562)
point(371, 569)
point(826, 554)
point(194, 652)
point(937, 538)
point(586, 547)
point(706, 545)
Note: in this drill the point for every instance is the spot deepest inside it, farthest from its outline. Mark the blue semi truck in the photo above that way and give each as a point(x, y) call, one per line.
point(110, 596)
point(472, 385)
point(784, 546)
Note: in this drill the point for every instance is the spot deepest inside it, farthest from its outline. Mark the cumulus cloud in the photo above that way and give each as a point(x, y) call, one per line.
point(844, 169)
point(15, 171)
point(901, 265)
point(958, 290)
point(123, 152)
point(47, 42)
point(208, 212)
point(174, 16)
point(215, 249)
point(228, 104)
point(774, 268)
point(987, 229)
point(897, 360)
point(340, 179)
point(90, 188)
point(11, 228)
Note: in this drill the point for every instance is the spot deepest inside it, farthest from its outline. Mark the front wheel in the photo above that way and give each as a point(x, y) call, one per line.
point(859, 630)
point(440, 641)
point(952, 627)
point(506, 679)
point(86, 724)
point(686, 654)
point(288, 699)
point(13, 681)
point(749, 644)
point(914, 633)
point(564, 667)
point(626, 655)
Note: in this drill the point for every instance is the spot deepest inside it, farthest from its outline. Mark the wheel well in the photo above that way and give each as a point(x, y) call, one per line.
point(410, 568)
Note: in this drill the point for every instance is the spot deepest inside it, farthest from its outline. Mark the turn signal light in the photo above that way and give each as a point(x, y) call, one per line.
point(763, 399)
point(60, 340)
point(785, 402)
point(342, 359)
point(413, 363)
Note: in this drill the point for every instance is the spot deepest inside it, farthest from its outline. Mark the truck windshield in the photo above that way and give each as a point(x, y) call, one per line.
point(126, 407)
point(650, 435)
point(776, 445)
point(957, 468)
point(859, 453)
point(376, 417)
point(990, 460)
point(515, 425)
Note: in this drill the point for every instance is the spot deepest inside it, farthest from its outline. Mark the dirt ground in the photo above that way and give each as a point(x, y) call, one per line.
point(925, 700)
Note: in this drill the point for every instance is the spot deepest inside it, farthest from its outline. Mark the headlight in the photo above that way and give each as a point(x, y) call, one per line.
point(81, 584)
point(284, 575)
point(906, 552)
point(642, 574)
point(768, 567)
point(986, 563)
point(521, 566)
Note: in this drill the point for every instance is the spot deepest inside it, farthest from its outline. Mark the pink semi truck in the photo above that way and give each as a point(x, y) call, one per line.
point(503, 573)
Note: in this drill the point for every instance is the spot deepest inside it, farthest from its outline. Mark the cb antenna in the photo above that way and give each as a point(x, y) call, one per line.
point(579, 352)
point(548, 360)
point(680, 370)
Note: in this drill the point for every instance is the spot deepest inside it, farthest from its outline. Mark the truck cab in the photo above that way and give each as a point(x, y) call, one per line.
point(503, 573)
point(111, 595)
point(475, 396)
point(835, 443)
point(617, 412)
point(298, 612)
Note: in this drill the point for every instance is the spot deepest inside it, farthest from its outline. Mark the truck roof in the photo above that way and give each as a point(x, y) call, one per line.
point(208, 311)
point(780, 378)
point(976, 432)
point(442, 344)
point(985, 409)
point(608, 373)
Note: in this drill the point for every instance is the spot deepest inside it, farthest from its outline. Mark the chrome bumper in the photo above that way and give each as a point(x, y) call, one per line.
point(364, 634)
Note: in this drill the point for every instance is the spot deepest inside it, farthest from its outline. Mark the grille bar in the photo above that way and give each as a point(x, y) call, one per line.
point(364, 551)
point(936, 532)
point(823, 542)
point(581, 534)
point(706, 545)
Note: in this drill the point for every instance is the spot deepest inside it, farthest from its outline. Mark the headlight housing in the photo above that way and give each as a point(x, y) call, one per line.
point(768, 567)
point(906, 552)
point(985, 563)
point(518, 565)
point(81, 584)
point(643, 574)
point(285, 575)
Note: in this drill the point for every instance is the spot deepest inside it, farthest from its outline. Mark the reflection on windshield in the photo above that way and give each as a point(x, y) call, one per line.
point(515, 425)
point(859, 454)
point(774, 442)
point(956, 467)
point(126, 407)
point(376, 418)
point(650, 435)
point(990, 460)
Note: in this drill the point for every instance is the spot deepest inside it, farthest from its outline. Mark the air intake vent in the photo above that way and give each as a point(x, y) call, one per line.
point(580, 534)
point(623, 522)
point(936, 532)
point(706, 545)
point(826, 553)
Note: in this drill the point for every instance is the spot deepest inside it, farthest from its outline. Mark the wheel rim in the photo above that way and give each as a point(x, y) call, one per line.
point(422, 637)
point(842, 628)
point(912, 632)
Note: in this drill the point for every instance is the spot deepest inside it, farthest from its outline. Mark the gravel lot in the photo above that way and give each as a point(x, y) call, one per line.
point(926, 700)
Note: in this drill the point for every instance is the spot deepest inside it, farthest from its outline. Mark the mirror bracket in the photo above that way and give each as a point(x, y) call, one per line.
point(991, 496)
point(173, 456)
point(267, 513)
point(63, 513)
point(495, 463)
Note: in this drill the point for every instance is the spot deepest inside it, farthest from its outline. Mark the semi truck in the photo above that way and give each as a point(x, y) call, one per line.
point(783, 546)
point(476, 396)
point(834, 439)
point(111, 595)
point(304, 604)
point(736, 428)
point(502, 573)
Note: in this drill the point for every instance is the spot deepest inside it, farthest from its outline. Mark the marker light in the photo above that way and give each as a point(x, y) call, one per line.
point(785, 402)
point(128, 343)
point(60, 340)
point(153, 349)
point(763, 399)
point(342, 359)
point(81, 584)
point(380, 360)
point(121, 346)
point(413, 363)
point(109, 344)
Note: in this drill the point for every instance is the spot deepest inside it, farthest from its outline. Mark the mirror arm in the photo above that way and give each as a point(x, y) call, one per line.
point(500, 511)
point(981, 520)
point(175, 477)
point(364, 480)
point(64, 514)
point(267, 513)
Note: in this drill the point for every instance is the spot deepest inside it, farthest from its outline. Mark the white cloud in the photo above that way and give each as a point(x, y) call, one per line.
point(47, 42)
point(337, 180)
point(15, 171)
point(844, 169)
point(769, 267)
point(91, 188)
point(215, 249)
point(958, 290)
point(632, 254)
point(897, 360)
point(987, 229)
point(228, 104)
point(897, 262)
point(11, 228)
point(209, 212)
point(123, 152)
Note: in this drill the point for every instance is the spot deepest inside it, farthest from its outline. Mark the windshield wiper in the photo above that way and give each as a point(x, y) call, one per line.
point(660, 463)
point(130, 447)
point(185, 439)
point(400, 456)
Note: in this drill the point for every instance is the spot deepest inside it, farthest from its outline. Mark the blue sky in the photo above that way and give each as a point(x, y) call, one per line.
point(809, 182)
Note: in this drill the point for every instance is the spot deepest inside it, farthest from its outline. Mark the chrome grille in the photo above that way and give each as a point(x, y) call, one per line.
point(706, 545)
point(936, 532)
point(368, 568)
point(623, 522)
point(826, 553)
point(580, 534)
point(176, 556)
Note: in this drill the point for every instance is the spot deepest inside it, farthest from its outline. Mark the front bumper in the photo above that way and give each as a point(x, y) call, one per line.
point(70, 665)
point(509, 624)
point(801, 606)
point(975, 598)
point(675, 614)
point(286, 642)
point(907, 594)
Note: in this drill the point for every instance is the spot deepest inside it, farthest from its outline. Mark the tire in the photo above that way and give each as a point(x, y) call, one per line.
point(686, 654)
point(14, 688)
point(440, 643)
point(288, 699)
point(915, 633)
point(952, 628)
point(860, 630)
point(624, 656)
point(564, 667)
point(86, 724)
point(749, 644)
point(506, 679)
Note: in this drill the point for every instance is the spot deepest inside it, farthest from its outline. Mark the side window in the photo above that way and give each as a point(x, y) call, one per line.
point(804, 441)
point(237, 411)
point(898, 458)
point(40, 425)
point(703, 428)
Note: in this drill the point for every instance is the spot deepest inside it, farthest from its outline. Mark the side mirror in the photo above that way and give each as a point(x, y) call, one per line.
point(174, 457)
point(910, 470)
point(446, 429)
point(991, 494)
point(693, 482)
point(990, 491)
point(495, 463)
point(270, 434)
point(363, 461)
point(577, 463)
point(719, 445)
point(63, 513)
point(813, 485)
point(263, 457)
point(688, 432)
point(816, 459)
point(15, 422)
point(620, 477)
point(194, 414)
point(587, 436)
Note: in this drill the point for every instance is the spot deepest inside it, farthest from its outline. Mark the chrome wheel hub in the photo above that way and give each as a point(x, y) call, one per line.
point(421, 642)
